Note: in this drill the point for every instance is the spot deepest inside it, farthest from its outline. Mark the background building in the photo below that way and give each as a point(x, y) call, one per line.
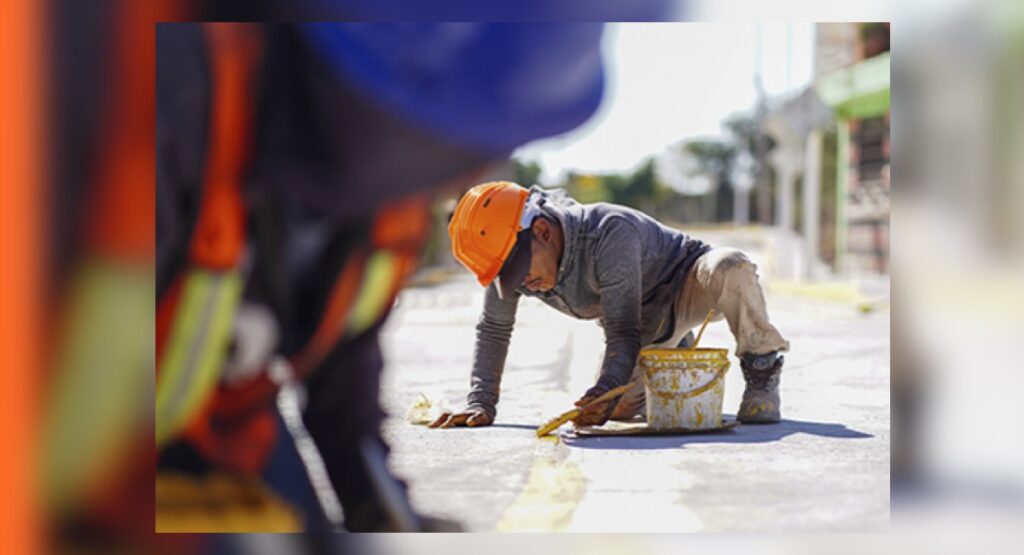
point(852, 77)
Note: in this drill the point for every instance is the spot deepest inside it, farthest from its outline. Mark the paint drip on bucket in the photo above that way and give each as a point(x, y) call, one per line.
point(685, 387)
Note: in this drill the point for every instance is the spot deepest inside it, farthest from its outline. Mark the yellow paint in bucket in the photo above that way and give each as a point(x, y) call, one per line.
point(685, 387)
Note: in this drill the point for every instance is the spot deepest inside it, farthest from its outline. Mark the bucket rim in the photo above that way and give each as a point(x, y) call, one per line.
point(661, 351)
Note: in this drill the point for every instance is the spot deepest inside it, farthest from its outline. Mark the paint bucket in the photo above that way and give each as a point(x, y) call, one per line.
point(685, 387)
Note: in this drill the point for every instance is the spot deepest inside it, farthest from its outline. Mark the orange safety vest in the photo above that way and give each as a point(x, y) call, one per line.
point(232, 426)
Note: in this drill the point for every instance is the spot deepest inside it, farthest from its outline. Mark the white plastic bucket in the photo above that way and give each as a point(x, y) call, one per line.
point(685, 387)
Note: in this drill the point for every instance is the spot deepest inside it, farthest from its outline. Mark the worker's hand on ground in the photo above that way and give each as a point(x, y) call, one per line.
point(468, 417)
point(597, 414)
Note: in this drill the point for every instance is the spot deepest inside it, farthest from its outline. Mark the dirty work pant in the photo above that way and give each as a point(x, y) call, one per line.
point(726, 280)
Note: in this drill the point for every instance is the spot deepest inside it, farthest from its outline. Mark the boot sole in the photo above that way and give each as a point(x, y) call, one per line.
point(760, 421)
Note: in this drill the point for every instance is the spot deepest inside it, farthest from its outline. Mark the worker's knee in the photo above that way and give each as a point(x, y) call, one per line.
point(728, 271)
point(729, 260)
point(736, 259)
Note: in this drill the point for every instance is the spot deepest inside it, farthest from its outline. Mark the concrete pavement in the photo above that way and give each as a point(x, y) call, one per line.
point(825, 467)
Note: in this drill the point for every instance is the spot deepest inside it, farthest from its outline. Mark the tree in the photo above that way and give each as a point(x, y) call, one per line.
point(747, 133)
point(716, 159)
point(638, 189)
point(526, 173)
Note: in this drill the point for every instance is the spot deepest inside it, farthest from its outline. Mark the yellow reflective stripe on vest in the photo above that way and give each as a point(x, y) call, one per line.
point(103, 380)
point(375, 293)
point(198, 344)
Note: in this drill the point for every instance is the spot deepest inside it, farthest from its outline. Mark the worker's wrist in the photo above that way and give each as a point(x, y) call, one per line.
point(611, 381)
point(604, 384)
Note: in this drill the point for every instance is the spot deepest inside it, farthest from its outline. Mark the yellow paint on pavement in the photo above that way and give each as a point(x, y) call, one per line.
point(553, 489)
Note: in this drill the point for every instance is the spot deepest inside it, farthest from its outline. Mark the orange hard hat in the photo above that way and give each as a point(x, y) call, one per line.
point(485, 227)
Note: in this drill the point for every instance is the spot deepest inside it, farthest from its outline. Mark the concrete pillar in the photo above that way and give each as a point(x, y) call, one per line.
point(812, 202)
point(788, 169)
point(789, 255)
point(741, 206)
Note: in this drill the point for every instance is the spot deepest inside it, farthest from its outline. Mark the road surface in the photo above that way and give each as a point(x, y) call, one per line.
point(824, 468)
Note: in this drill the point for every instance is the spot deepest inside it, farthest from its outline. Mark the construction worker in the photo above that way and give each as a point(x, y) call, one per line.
point(645, 283)
point(294, 178)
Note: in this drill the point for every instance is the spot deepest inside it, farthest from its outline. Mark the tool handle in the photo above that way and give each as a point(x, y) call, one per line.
point(610, 394)
point(554, 423)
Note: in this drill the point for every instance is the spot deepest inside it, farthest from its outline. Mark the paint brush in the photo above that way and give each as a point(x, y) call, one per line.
point(554, 423)
point(566, 416)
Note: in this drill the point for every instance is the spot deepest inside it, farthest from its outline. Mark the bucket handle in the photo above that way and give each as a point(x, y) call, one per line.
point(694, 392)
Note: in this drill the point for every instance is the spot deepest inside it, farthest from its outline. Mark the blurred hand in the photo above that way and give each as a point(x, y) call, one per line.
point(597, 414)
point(468, 417)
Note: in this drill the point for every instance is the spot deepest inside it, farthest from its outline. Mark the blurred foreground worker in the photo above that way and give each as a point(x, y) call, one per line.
point(294, 169)
point(645, 283)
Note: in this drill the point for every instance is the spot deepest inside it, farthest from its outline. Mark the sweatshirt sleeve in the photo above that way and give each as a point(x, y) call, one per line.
point(493, 333)
point(618, 268)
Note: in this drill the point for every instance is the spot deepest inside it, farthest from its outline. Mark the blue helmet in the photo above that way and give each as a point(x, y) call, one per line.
point(477, 10)
point(488, 86)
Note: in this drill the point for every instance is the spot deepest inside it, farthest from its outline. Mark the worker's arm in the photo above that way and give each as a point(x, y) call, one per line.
point(493, 334)
point(618, 268)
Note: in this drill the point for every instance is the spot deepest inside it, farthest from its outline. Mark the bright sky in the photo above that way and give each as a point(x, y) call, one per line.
point(671, 81)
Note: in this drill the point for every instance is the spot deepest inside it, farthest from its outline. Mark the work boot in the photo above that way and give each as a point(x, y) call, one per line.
point(761, 404)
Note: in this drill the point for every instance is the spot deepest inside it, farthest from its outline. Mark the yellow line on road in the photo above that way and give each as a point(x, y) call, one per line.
point(553, 490)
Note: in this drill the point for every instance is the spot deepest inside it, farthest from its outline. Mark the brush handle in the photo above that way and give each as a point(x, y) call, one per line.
point(610, 394)
point(570, 414)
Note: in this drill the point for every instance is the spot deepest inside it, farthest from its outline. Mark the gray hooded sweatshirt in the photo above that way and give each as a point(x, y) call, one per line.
point(619, 266)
